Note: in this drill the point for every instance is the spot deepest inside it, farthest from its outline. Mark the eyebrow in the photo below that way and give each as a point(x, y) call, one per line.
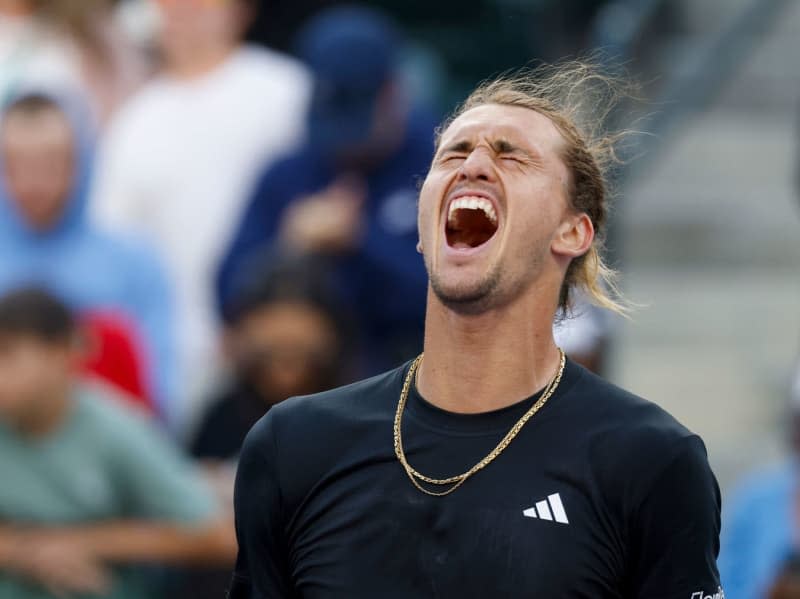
point(503, 146)
point(500, 146)
point(459, 146)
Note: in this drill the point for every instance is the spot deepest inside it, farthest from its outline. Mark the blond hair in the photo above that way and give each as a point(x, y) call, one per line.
point(578, 98)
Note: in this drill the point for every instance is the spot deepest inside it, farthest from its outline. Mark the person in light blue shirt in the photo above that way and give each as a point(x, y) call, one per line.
point(756, 540)
point(760, 542)
point(46, 238)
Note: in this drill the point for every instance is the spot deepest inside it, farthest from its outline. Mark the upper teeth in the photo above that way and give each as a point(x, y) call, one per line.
point(472, 203)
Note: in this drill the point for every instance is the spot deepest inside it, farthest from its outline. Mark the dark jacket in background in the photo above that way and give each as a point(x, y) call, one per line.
point(384, 281)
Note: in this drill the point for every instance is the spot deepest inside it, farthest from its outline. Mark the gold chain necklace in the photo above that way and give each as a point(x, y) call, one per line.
point(460, 479)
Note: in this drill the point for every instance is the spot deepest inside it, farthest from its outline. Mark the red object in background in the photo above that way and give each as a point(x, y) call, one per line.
point(114, 355)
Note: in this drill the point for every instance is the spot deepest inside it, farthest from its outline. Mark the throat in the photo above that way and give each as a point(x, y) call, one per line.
point(483, 387)
point(484, 362)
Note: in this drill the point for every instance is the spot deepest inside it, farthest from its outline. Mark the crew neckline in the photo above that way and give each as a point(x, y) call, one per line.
point(489, 422)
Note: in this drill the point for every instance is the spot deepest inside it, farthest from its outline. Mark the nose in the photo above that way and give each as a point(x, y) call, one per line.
point(478, 166)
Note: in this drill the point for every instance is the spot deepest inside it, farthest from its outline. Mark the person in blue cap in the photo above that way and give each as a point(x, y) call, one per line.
point(349, 193)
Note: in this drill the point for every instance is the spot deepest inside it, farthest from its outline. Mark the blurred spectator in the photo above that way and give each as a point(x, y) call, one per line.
point(89, 487)
point(45, 166)
point(179, 158)
point(760, 551)
point(349, 194)
point(63, 44)
point(287, 337)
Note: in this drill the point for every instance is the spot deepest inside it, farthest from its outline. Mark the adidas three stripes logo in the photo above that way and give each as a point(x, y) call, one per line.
point(548, 509)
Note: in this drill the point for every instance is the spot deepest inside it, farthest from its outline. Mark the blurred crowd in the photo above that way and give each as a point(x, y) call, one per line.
point(206, 207)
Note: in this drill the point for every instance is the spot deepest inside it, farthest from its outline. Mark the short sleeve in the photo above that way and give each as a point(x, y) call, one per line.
point(158, 482)
point(262, 568)
point(674, 532)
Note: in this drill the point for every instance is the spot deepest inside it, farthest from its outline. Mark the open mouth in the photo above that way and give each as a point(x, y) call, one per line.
point(471, 222)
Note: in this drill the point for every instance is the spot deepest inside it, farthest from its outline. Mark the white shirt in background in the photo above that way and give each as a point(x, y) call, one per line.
point(585, 329)
point(177, 164)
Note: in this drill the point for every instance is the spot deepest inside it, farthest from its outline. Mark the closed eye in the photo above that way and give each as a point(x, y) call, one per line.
point(515, 159)
point(451, 157)
point(508, 151)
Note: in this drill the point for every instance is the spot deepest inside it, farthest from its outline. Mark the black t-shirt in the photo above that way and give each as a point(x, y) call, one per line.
point(602, 494)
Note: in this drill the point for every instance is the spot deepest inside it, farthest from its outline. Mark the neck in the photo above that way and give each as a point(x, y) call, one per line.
point(194, 63)
point(47, 416)
point(479, 363)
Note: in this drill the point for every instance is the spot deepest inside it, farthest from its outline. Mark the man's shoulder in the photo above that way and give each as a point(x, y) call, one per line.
point(629, 448)
point(355, 403)
point(626, 411)
point(331, 417)
point(140, 116)
point(280, 68)
point(313, 432)
point(264, 82)
point(627, 429)
point(102, 406)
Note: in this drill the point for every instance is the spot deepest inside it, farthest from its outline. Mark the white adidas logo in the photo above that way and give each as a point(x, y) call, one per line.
point(548, 509)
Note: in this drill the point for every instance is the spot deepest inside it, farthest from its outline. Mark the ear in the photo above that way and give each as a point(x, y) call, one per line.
point(574, 236)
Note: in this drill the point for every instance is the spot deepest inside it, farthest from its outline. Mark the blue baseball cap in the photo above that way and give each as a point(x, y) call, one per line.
point(352, 52)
